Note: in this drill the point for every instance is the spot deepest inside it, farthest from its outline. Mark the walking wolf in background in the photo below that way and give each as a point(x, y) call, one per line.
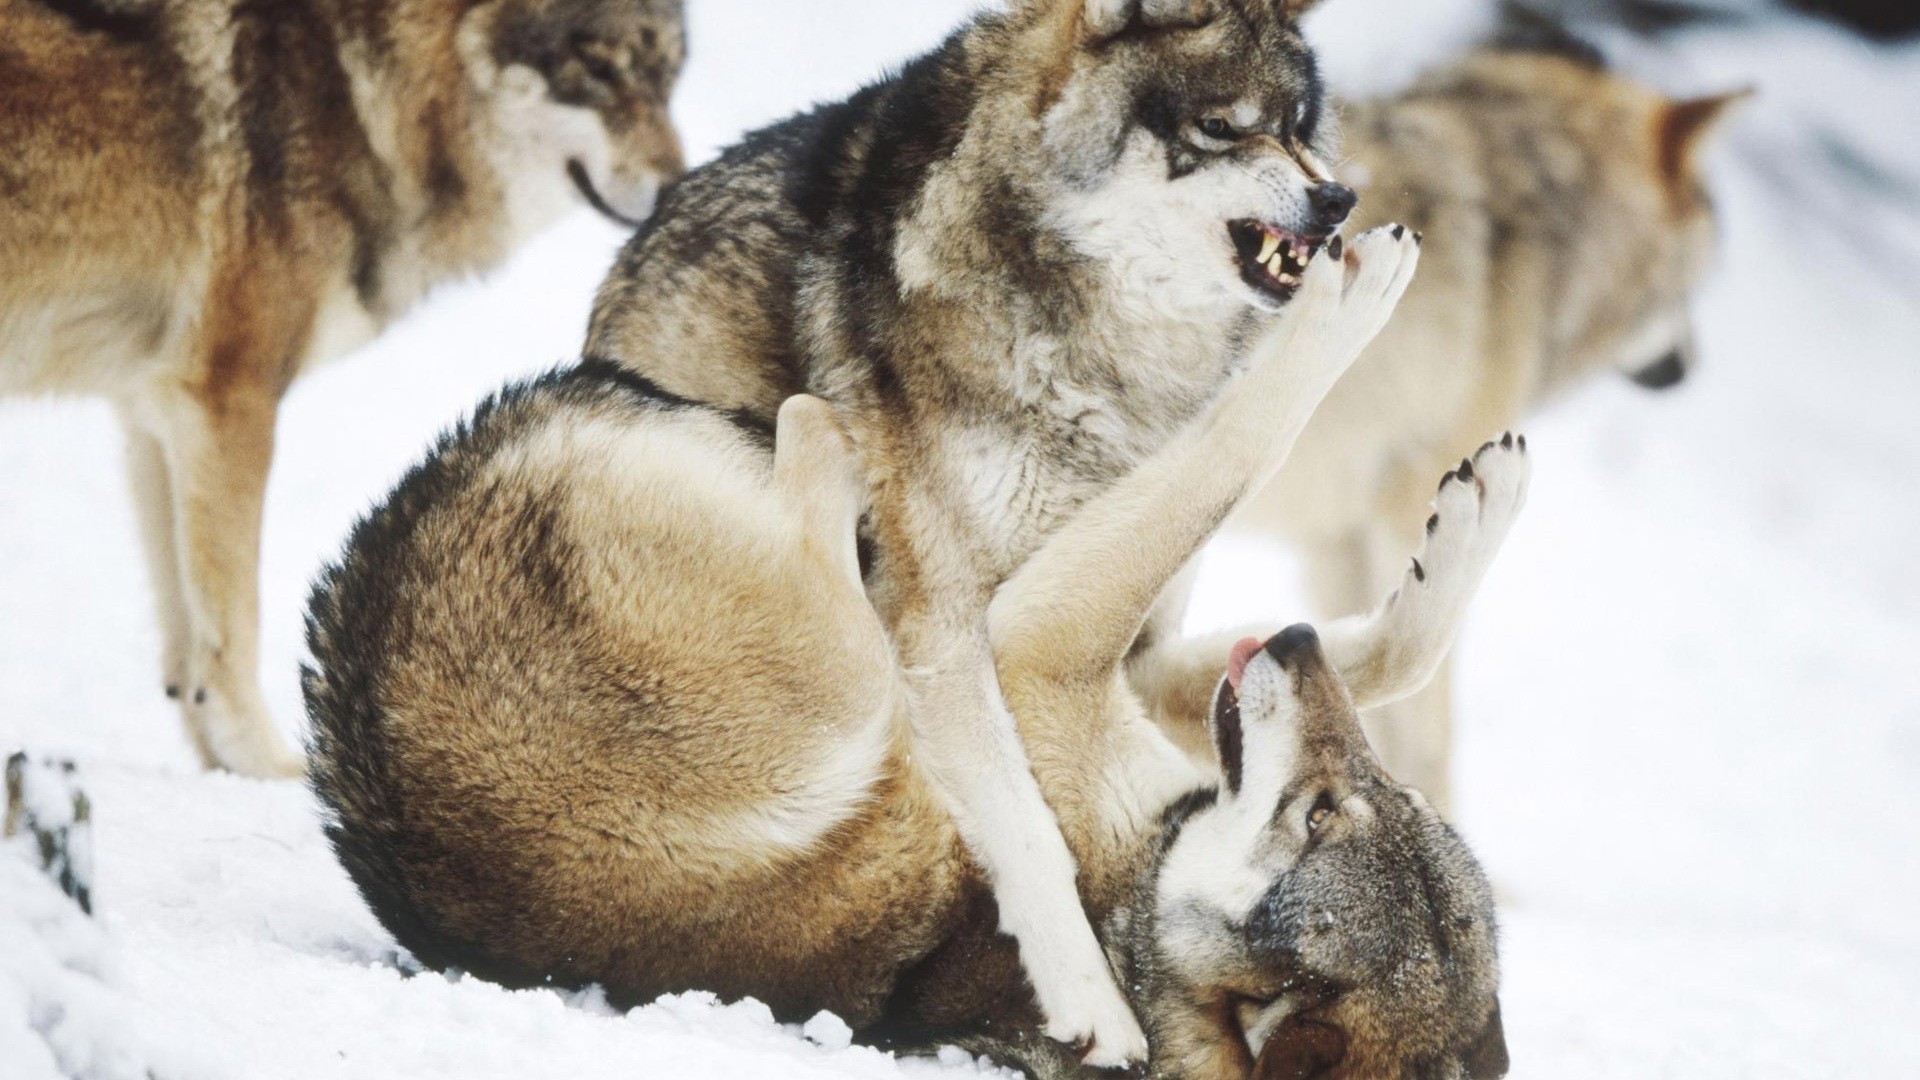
point(1014, 270)
point(206, 196)
point(599, 696)
point(1567, 226)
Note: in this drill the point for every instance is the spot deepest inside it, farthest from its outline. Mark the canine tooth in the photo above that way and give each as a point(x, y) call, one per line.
point(1267, 247)
point(1287, 279)
point(1274, 264)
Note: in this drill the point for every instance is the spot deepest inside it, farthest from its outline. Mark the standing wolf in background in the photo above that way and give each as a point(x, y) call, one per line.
point(1567, 226)
point(203, 197)
point(599, 696)
point(1015, 269)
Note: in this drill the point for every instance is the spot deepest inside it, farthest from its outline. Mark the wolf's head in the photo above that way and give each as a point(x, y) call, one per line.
point(1316, 920)
point(1183, 143)
point(581, 88)
point(1616, 191)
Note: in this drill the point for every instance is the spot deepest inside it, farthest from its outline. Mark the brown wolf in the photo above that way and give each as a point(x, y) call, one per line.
point(203, 197)
point(599, 695)
point(1015, 269)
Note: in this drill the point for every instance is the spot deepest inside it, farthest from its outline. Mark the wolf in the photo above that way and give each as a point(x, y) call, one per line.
point(599, 695)
point(205, 197)
point(1014, 269)
point(1568, 224)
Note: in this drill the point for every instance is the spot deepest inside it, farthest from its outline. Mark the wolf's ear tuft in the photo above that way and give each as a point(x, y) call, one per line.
point(1486, 1059)
point(1683, 127)
point(1301, 1050)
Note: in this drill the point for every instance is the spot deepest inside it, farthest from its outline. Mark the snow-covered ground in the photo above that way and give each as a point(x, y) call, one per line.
point(1690, 693)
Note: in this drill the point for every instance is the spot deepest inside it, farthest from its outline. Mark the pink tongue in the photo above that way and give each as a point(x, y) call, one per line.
point(1243, 651)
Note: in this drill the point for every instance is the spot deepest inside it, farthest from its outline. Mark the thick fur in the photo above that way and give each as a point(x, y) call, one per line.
point(598, 696)
point(1567, 225)
point(1008, 269)
point(204, 197)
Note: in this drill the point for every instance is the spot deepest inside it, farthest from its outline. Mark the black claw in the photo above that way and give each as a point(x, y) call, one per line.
point(1418, 236)
point(200, 696)
point(1432, 524)
point(173, 691)
point(1399, 231)
point(1484, 447)
point(1522, 440)
point(1466, 469)
point(1445, 479)
point(1419, 572)
point(1507, 440)
point(1334, 248)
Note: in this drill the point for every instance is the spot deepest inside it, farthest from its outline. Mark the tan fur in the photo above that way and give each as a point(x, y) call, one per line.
point(562, 688)
point(1566, 225)
point(205, 198)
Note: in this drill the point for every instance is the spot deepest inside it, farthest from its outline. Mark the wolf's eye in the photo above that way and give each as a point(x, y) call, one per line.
point(1214, 127)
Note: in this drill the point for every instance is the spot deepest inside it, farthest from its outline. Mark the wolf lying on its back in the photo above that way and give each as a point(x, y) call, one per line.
point(1014, 270)
point(1568, 226)
point(202, 197)
point(599, 696)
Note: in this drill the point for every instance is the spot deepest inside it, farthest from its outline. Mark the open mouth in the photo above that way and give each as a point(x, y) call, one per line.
point(577, 172)
point(1271, 258)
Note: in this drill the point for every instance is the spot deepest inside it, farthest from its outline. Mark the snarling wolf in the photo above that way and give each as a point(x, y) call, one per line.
point(599, 695)
point(1567, 226)
point(1015, 270)
point(203, 197)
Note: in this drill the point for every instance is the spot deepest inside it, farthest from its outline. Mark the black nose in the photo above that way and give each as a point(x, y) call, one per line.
point(1331, 203)
point(1293, 643)
point(1662, 373)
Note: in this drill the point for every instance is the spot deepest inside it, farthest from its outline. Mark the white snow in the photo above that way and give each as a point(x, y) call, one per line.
point(1690, 694)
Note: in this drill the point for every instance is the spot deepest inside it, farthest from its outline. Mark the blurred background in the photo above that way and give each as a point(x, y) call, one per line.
point(1689, 699)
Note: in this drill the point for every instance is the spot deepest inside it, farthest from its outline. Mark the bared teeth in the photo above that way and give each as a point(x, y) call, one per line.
point(1275, 263)
point(1267, 247)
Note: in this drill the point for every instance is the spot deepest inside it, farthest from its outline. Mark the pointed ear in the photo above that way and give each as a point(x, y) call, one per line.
point(1486, 1059)
point(1106, 18)
point(1301, 1050)
point(1681, 130)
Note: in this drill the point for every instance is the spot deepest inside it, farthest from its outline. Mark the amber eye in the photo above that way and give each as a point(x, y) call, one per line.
point(1214, 127)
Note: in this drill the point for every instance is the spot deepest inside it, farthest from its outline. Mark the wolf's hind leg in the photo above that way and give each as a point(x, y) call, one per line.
point(153, 506)
point(1394, 651)
point(218, 443)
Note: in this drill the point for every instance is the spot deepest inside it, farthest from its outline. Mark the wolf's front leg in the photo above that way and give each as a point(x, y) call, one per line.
point(1392, 652)
point(968, 744)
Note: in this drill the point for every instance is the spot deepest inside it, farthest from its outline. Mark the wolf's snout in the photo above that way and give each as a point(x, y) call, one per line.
point(1331, 203)
point(1295, 647)
point(1667, 371)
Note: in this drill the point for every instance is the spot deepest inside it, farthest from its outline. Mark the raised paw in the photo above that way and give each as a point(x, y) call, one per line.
point(1476, 504)
point(1347, 295)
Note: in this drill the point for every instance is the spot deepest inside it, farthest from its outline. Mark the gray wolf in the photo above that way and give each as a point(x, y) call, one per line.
point(204, 197)
point(1015, 270)
point(1567, 226)
point(599, 695)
